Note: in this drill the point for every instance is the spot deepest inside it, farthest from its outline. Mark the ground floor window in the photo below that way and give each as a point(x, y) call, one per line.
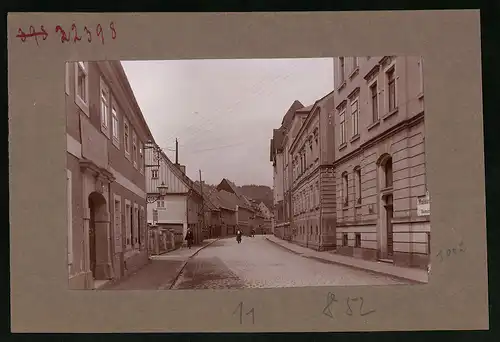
point(358, 240)
point(345, 240)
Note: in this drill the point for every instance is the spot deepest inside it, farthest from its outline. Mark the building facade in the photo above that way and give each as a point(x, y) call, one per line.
point(313, 190)
point(380, 159)
point(106, 132)
point(181, 208)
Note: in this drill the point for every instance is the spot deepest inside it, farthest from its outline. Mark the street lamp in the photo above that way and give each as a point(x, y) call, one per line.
point(162, 191)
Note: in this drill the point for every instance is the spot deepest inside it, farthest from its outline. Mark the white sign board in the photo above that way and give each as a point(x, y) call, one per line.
point(423, 205)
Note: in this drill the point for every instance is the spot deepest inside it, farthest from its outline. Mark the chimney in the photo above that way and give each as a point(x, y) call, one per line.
point(176, 152)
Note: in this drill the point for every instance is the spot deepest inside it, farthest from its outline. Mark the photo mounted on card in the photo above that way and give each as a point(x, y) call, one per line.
point(250, 179)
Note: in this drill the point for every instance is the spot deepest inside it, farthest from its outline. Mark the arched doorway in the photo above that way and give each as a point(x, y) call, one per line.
point(98, 236)
point(386, 206)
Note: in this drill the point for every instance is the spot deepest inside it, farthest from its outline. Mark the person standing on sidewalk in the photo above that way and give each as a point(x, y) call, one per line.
point(189, 238)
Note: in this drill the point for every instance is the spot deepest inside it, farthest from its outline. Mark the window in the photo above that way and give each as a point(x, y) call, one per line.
point(317, 230)
point(69, 192)
point(345, 189)
point(388, 173)
point(341, 70)
point(141, 157)
point(154, 174)
point(355, 63)
point(104, 106)
point(128, 223)
point(141, 227)
point(66, 78)
point(357, 173)
point(342, 128)
point(374, 102)
point(357, 241)
point(317, 194)
point(136, 226)
point(115, 126)
point(391, 90)
point(355, 118)
point(126, 136)
point(118, 224)
point(345, 239)
point(160, 204)
point(82, 86)
point(134, 148)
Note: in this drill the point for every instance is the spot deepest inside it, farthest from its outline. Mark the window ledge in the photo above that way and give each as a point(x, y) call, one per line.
point(342, 85)
point(82, 105)
point(391, 113)
point(354, 72)
point(357, 206)
point(354, 138)
point(420, 95)
point(373, 125)
point(341, 147)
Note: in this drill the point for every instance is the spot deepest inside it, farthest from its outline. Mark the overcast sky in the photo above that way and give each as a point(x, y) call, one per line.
point(223, 111)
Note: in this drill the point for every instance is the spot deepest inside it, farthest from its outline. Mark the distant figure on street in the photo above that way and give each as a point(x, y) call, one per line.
point(238, 236)
point(189, 238)
point(252, 232)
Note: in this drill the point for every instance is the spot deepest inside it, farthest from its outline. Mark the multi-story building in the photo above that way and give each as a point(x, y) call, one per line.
point(106, 132)
point(181, 207)
point(282, 167)
point(380, 159)
point(244, 211)
point(313, 186)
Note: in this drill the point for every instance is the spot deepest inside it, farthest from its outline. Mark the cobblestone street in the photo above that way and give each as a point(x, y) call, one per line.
point(258, 263)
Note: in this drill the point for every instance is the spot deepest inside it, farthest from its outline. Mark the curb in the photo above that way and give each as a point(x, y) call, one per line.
point(349, 265)
point(165, 286)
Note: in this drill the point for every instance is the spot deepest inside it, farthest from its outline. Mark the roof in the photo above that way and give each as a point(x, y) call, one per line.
point(287, 119)
point(224, 200)
point(305, 109)
point(229, 186)
point(181, 175)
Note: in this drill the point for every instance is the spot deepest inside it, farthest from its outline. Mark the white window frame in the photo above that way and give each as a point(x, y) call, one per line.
point(104, 106)
point(345, 189)
point(142, 226)
point(355, 63)
point(141, 157)
point(83, 104)
point(355, 117)
point(341, 70)
point(134, 149)
point(389, 69)
point(128, 227)
point(357, 184)
point(342, 127)
point(154, 174)
point(126, 137)
point(160, 205)
point(375, 84)
point(118, 225)
point(67, 69)
point(69, 190)
point(135, 226)
point(115, 124)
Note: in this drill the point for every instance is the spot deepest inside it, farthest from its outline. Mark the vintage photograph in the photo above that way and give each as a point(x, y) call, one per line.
point(246, 173)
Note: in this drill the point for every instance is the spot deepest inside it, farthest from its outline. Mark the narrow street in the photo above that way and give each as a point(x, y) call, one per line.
point(255, 263)
point(258, 263)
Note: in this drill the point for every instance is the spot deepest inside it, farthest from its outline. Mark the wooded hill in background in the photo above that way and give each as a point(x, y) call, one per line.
point(256, 192)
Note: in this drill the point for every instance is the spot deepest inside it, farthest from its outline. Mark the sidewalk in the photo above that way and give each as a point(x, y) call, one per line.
point(162, 271)
point(412, 274)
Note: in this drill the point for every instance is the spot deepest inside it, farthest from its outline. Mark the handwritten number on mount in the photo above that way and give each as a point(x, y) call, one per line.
point(63, 34)
point(450, 251)
point(330, 298)
point(113, 31)
point(99, 32)
point(74, 29)
point(251, 311)
point(89, 35)
point(361, 313)
point(253, 315)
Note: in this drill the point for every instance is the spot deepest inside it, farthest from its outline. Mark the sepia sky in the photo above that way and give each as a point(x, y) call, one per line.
point(223, 111)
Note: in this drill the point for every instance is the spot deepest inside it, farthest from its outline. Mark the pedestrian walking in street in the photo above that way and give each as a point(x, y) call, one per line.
point(238, 236)
point(189, 238)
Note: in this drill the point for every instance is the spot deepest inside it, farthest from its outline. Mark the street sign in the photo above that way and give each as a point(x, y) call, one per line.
point(423, 205)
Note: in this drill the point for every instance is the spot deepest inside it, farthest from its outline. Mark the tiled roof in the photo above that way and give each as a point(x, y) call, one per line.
point(288, 117)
